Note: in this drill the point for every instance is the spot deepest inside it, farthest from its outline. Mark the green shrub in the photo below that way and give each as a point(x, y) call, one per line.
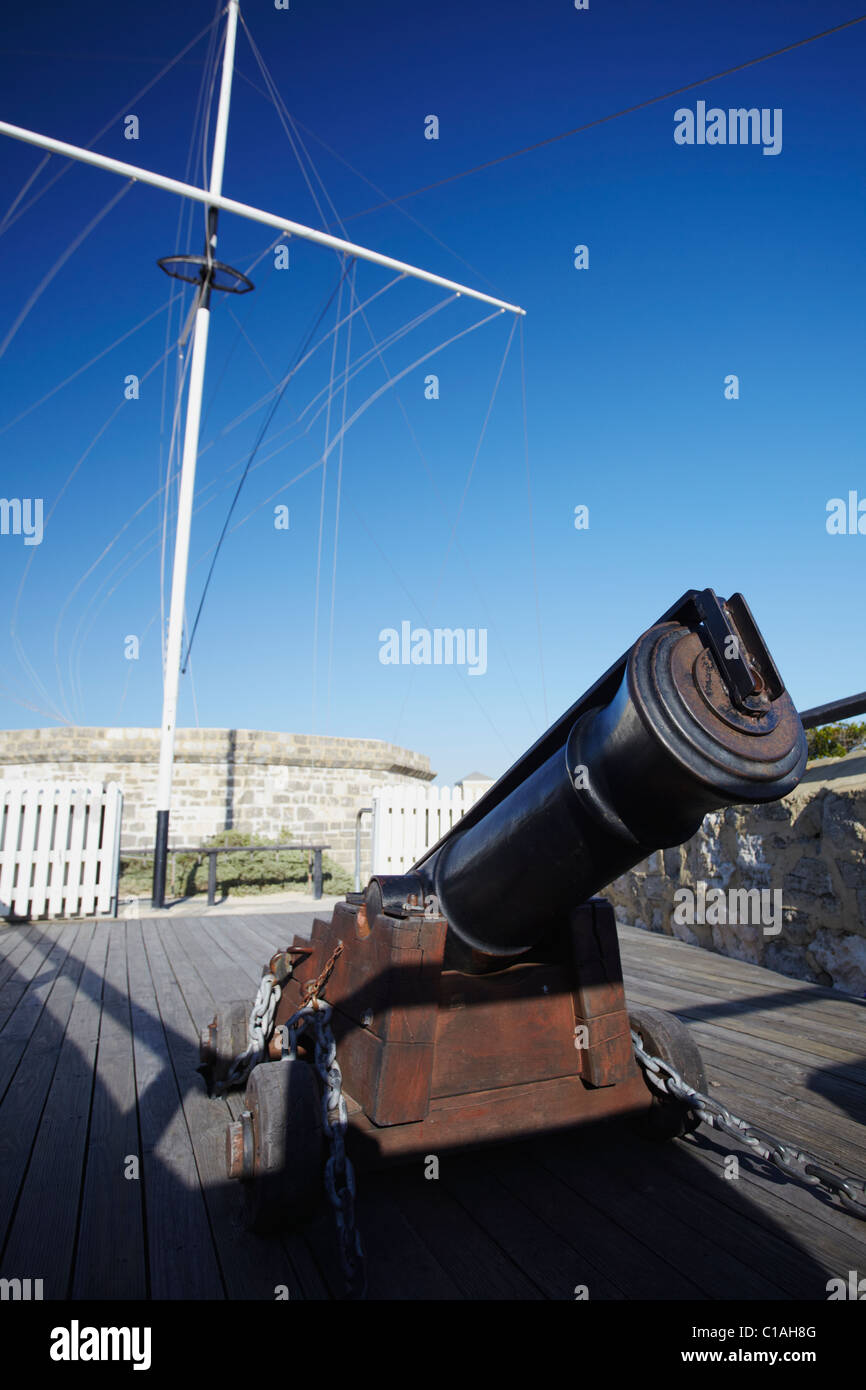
point(834, 740)
point(239, 875)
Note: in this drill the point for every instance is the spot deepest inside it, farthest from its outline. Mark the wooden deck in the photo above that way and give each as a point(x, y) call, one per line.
point(99, 1024)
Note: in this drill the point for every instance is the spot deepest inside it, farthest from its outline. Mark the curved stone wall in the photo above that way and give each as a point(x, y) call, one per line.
point(297, 786)
point(805, 854)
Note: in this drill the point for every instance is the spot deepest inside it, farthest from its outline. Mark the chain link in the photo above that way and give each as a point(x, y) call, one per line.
point(315, 1017)
point(807, 1169)
point(259, 1030)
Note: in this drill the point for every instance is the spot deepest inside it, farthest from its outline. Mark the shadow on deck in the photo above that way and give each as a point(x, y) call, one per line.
point(112, 1167)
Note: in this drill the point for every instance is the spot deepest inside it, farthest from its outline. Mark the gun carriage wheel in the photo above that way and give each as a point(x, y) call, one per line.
point(275, 1148)
point(664, 1036)
point(224, 1039)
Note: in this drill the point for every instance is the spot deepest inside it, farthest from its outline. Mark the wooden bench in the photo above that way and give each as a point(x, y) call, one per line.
point(213, 850)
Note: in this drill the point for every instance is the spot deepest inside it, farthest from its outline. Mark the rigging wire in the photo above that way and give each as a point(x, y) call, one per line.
point(531, 525)
point(249, 464)
point(208, 112)
point(77, 644)
point(470, 573)
point(261, 256)
point(468, 685)
point(76, 692)
point(285, 116)
point(310, 468)
point(312, 191)
point(374, 396)
point(61, 261)
point(456, 522)
point(92, 363)
point(251, 345)
point(338, 502)
point(336, 221)
point(379, 349)
point(404, 212)
point(286, 122)
point(9, 220)
point(276, 99)
point(602, 120)
point(474, 460)
point(16, 641)
point(322, 512)
point(18, 597)
point(358, 366)
point(27, 704)
point(109, 421)
point(191, 676)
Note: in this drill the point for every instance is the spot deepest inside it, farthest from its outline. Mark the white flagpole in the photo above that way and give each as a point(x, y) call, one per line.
point(214, 201)
point(171, 673)
point(268, 219)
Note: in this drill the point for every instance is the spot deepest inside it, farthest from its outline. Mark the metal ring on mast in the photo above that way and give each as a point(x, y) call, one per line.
point(218, 275)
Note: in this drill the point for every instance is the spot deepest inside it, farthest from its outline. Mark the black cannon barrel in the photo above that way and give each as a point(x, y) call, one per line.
point(692, 718)
point(836, 709)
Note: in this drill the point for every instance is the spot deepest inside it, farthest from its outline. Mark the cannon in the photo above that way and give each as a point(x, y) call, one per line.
point(479, 997)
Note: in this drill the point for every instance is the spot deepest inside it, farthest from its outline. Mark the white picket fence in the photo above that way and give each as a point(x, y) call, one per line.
point(408, 820)
point(59, 848)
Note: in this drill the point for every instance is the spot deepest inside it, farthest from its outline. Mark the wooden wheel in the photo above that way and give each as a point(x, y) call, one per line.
point(286, 1184)
point(662, 1035)
point(225, 1038)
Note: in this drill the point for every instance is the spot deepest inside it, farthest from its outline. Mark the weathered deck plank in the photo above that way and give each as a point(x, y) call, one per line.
point(181, 1257)
point(533, 1245)
point(688, 1244)
point(45, 1150)
point(15, 947)
point(23, 997)
point(36, 1054)
point(98, 1054)
point(471, 1255)
point(112, 1216)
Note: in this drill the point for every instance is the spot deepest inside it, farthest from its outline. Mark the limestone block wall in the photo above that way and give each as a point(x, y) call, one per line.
point(296, 786)
point(809, 847)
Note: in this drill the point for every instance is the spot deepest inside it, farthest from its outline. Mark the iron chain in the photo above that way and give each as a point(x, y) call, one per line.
point(259, 1030)
point(793, 1161)
point(315, 1018)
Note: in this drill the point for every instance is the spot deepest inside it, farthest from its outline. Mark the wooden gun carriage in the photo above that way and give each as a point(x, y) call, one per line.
point(479, 997)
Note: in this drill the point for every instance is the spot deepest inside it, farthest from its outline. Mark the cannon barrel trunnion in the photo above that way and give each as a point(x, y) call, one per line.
point(479, 997)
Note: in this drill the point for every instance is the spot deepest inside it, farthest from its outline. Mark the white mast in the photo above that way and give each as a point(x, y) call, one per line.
point(214, 201)
point(171, 670)
point(268, 219)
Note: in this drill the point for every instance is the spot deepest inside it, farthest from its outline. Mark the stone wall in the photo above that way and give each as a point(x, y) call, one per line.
point(273, 785)
point(809, 848)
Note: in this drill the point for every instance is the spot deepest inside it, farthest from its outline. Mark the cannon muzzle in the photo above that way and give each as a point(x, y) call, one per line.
point(692, 718)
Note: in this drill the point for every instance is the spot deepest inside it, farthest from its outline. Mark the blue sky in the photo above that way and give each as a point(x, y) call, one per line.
point(704, 261)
